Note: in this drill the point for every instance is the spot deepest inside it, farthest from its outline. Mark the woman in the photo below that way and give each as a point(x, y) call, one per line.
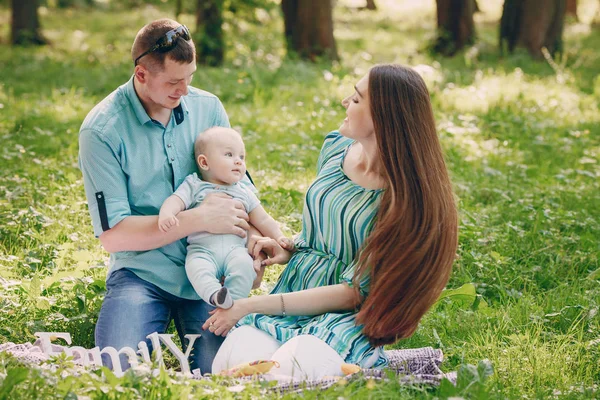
point(378, 240)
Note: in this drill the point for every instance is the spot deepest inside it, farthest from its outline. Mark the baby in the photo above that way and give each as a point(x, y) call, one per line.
point(220, 156)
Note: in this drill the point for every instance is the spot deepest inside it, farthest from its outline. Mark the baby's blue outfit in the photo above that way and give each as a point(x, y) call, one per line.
point(212, 256)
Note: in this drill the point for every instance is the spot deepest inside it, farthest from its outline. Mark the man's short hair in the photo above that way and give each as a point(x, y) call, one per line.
point(183, 52)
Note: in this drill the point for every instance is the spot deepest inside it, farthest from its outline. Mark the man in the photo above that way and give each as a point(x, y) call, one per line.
point(136, 147)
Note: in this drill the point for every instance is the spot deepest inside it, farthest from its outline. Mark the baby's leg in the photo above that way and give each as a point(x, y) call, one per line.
point(243, 345)
point(201, 269)
point(307, 357)
point(239, 273)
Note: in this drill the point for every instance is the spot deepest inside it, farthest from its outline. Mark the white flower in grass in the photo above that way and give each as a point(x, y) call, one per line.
point(236, 388)
point(142, 369)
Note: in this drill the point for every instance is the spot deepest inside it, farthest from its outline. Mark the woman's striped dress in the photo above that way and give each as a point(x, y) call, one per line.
point(338, 215)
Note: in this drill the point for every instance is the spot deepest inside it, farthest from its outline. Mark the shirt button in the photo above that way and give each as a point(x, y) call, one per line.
point(172, 159)
point(169, 146)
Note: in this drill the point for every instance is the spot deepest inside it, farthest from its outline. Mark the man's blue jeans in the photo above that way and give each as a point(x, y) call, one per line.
point(134, 308)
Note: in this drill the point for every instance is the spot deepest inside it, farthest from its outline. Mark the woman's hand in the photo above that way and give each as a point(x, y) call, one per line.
point(222, 320)
point(287, 244)
point(274, 250)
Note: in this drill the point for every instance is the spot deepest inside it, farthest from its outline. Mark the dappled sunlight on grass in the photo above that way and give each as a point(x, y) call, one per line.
point(490, 11)
point(491, 89)
point(467, 136)
point(63, 106)
point(401, 27)
point(586, 10)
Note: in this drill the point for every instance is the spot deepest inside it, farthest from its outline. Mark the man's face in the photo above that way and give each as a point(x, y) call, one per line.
point(166, 87)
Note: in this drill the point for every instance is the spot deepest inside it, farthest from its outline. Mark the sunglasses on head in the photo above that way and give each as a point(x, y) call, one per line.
point(168, 41)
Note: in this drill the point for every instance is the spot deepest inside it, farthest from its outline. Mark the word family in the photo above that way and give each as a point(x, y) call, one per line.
point(93, 357)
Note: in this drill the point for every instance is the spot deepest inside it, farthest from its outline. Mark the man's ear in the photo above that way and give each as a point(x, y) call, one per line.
point(141, 73)
point(202, 162)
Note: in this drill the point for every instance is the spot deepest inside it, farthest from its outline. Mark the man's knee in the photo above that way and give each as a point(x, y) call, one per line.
point(131, 310)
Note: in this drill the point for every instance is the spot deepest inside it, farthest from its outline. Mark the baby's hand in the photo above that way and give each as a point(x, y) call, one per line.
point(286, 243)
point(257, 265)
point(167, 222)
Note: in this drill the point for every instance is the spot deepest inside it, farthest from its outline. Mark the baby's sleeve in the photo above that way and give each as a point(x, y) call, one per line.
point(187, 190)
point(246, 182)
point(253, 201)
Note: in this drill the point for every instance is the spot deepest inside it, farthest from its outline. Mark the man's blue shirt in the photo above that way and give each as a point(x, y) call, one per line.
point(131, 164)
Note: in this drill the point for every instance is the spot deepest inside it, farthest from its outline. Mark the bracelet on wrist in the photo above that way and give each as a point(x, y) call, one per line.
point(282, 306)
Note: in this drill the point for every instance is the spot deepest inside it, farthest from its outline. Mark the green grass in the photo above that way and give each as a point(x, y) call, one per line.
point(522, 141)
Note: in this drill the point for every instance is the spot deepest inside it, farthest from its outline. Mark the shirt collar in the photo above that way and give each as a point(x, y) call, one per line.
point(179, 112)
point(183, 110)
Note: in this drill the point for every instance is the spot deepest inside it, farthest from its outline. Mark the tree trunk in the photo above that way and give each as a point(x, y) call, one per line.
point(455, 25)
point(572, 8)
point(308, 28)
point(532, 24)
point(371, 5)
point(210, 43)
point(26, 23)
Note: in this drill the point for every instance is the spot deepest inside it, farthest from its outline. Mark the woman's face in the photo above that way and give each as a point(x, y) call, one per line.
point(358, 123)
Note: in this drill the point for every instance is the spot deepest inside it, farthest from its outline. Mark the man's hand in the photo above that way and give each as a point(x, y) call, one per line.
point(219, 213)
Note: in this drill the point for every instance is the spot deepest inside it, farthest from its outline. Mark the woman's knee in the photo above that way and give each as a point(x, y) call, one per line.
point(308, 357)
point(244, 344)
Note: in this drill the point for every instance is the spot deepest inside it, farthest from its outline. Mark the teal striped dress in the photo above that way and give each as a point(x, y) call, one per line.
point(337, 217)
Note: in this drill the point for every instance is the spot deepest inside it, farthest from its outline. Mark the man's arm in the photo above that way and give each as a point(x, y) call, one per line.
point(218, 213)
point(107, 194)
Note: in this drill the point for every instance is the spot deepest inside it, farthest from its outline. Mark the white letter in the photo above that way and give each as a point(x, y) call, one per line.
point(156, 347)
point(183, 358)
point(95, 356)
point(46, 337)
point(81, 352)
point(116, 359)
point(143, 351)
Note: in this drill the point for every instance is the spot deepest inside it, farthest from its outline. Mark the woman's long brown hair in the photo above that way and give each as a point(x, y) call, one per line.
point(410, 251)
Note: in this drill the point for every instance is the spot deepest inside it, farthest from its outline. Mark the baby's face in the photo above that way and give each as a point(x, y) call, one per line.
point(226, 158)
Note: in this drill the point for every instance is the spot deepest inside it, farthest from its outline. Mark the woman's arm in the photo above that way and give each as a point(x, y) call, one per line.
point(315, 301)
